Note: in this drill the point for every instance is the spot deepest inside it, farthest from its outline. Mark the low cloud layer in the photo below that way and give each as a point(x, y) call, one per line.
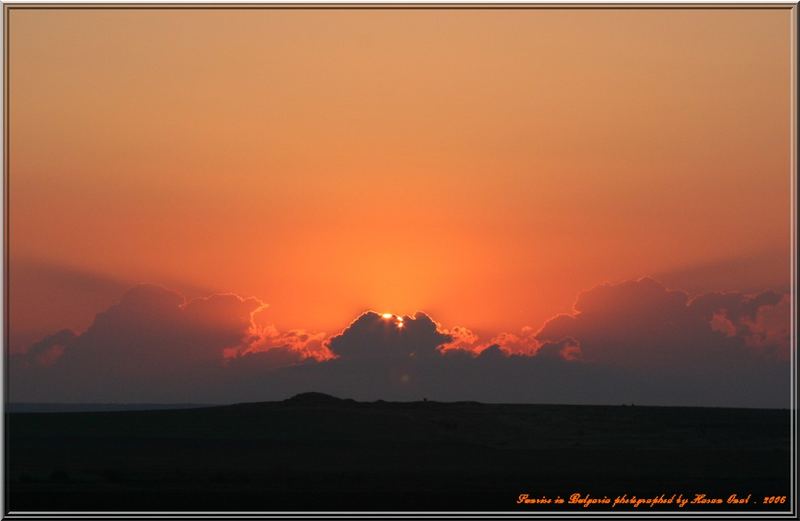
point(636, 341)
point(642, 325)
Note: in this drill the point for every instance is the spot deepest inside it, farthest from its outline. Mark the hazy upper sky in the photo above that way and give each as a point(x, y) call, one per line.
point(482, 165)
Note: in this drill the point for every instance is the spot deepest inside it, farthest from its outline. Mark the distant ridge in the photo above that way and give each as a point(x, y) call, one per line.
point(315, 398)
point(100, 407)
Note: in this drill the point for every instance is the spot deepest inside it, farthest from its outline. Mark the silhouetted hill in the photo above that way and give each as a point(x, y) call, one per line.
point(318, 452)
point(313, 398)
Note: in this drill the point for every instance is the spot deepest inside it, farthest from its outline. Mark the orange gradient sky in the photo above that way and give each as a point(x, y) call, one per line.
point(482, 165)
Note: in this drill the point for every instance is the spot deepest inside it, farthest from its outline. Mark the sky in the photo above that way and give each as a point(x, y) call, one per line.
point(482, 167)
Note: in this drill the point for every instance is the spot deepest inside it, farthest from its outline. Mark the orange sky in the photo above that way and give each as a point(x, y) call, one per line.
point(482, 165)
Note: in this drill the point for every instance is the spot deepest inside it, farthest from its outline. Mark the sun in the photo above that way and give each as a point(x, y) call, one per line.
point(398, 319)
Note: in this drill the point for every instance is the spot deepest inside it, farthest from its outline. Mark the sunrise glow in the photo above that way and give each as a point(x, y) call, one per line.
point(536, 183)
point(579, 215)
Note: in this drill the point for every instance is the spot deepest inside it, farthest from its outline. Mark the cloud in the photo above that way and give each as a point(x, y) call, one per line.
point(522, 343)
point(373, 335)
point(50, 296)
point(736, 306)
point(154, 329)
point(304, 343)
point(462, 339)
point(254, 363)
point(644, 325)
point(769, 330)
point(633, 341)
point(750, 272)
point(49, 349)
point(269, 349)
point(152, 341)
point(567, 349)
point(761, 321)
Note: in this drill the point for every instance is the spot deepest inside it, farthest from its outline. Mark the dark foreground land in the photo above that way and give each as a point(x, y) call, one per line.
point(317, 453)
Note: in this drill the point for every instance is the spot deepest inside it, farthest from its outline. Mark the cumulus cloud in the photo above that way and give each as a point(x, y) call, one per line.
point(49, 349)
point(760, 320)
point(769, 330)
point(522, 343)
point(152, 340)
point(633, 341)
point(643, 324)
point(154, 329)
point(463, 339)
point(566, 349)
point(374, 335)
point(269, 349)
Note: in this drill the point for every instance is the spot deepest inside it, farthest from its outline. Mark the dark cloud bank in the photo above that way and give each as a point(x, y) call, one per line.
point(631, 342)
